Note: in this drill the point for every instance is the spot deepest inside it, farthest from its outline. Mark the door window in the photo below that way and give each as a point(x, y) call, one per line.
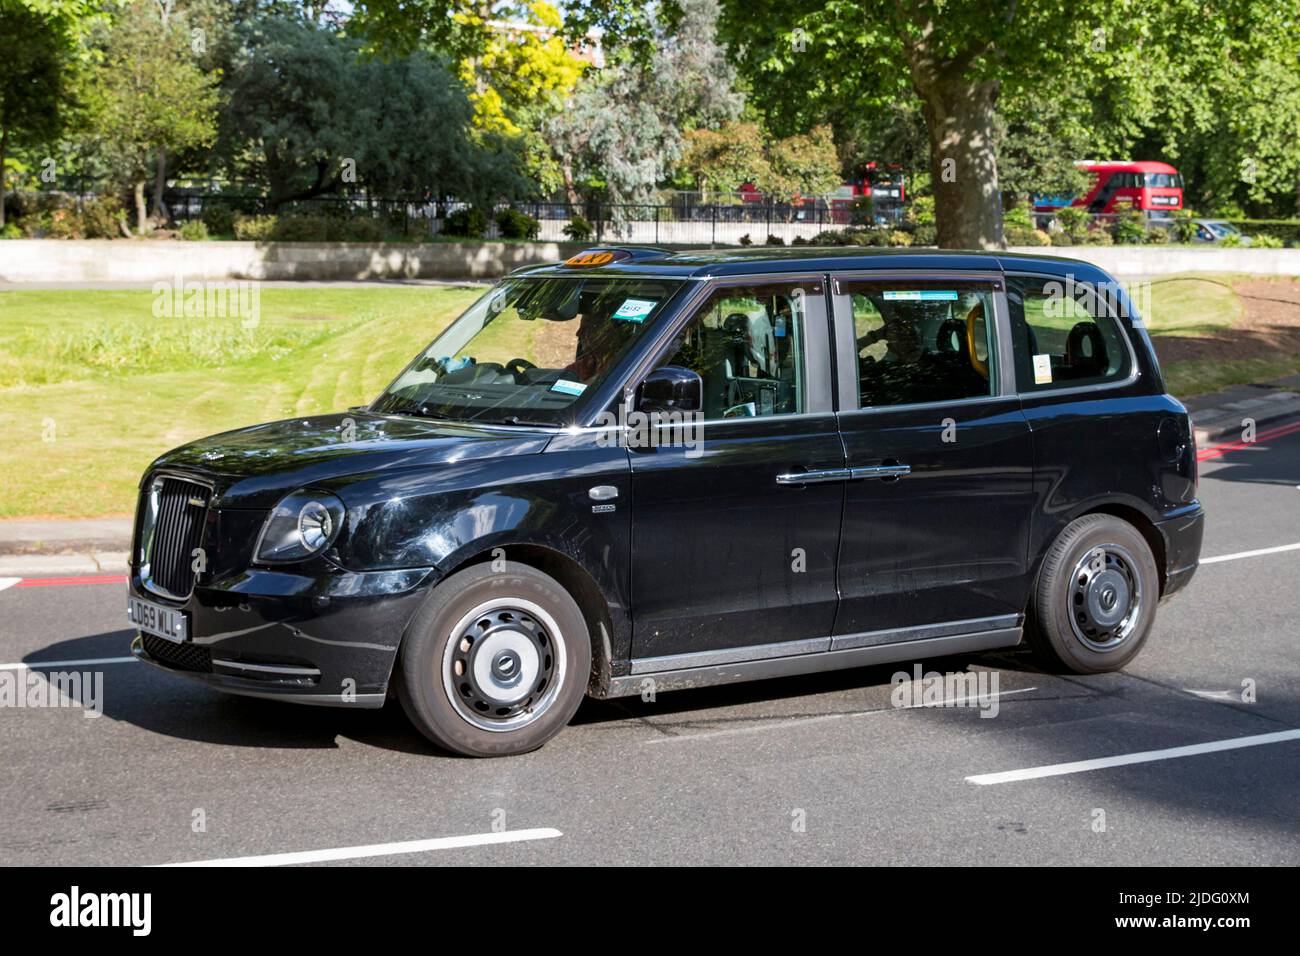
point(919, 343)
point(747, 344)
point(1064, 335)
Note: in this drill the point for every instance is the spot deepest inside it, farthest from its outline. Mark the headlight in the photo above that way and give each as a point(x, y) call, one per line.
point(303, 524)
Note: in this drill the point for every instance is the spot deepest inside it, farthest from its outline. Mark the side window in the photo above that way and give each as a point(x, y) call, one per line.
point(747, 343)
point(922, 343)
point(1063, 335)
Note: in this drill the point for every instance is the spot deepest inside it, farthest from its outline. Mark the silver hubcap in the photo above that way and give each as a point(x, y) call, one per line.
point(1105, 597)
point(504, 664)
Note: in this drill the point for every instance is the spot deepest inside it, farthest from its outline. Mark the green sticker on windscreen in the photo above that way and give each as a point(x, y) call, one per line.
point(922, 295)
point(635, 310)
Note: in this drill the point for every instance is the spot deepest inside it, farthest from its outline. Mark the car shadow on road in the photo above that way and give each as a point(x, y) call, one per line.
point(174, 706)
point(1270, 462)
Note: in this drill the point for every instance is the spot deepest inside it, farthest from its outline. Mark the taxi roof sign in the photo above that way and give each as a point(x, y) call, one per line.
point(597, 257)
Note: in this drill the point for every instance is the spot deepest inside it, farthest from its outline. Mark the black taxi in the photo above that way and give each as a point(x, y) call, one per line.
point(638, 471)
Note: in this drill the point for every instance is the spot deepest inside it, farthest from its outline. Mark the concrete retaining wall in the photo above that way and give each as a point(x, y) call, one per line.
point(38, 260)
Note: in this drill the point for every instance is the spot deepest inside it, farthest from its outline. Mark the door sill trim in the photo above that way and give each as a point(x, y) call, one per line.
point(800, 662)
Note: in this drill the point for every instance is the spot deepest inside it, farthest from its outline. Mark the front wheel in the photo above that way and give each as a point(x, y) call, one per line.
point(1096, 596)
point(496, 662)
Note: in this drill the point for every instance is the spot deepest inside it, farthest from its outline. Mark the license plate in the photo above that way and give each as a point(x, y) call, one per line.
point(164, 622)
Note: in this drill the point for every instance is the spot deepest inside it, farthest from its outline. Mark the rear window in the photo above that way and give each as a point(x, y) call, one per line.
point(1064, 335)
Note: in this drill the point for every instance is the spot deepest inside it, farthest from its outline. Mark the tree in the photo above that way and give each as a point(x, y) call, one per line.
point(311, 115)
point(719, 160)
point(623, 130)
point(520, 79)
point(148, 97)
point(38, 52)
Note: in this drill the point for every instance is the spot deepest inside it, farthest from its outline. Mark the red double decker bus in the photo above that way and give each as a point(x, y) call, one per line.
point(1155, 189)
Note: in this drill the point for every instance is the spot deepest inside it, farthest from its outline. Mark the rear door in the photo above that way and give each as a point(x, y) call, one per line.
point(937, 514)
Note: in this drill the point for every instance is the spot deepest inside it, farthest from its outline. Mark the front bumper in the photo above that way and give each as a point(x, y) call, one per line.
point(316, 635)
point(1182, 536)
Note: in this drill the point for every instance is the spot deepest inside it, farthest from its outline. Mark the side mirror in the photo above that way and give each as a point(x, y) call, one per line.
point(671, 388)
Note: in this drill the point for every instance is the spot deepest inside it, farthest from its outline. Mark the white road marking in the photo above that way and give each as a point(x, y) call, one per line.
point(1224, 695)
point(818, 718)
point(21, 666)
point(1252, 554)
point(8, 582)
point(1146, 756)
point(380, 849)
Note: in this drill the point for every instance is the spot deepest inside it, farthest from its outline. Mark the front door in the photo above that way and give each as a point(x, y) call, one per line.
point(735, 534)
point(937, 514)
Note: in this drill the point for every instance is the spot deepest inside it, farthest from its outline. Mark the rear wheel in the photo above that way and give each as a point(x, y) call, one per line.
point(1096, 596)
point(496, 662)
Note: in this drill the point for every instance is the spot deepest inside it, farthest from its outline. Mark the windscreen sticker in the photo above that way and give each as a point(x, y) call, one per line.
point(921, 295)
point(569, 388)
point(1042, 369)
point(635, 310)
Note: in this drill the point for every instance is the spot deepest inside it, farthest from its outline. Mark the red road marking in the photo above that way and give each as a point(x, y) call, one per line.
point(1218, 451)
point(60, 582)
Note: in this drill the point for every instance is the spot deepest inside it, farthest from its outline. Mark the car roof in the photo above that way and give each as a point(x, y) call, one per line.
point(776, 260)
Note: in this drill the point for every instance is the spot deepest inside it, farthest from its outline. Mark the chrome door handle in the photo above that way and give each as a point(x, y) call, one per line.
point(881, 471)
point(813, 477)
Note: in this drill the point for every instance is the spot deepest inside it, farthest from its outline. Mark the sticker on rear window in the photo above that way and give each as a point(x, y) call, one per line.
point(569, 388)
point(1042, 369)
point(922, 295)
point(634, 310)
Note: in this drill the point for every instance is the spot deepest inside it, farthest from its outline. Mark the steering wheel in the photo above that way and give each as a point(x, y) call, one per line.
point(517, 366)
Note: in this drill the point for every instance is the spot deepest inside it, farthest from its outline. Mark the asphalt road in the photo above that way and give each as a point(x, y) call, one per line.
point(811, 770)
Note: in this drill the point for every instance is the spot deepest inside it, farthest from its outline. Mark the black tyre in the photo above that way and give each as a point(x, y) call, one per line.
point(1096, 596)
point(496, 662)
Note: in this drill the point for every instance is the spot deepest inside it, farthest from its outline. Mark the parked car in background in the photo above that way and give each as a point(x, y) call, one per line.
point(1218, 230)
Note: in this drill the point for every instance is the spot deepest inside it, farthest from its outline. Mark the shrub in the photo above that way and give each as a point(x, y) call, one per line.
point(925, 234)
point(1265, 241)
point(1018, 235)
point(745, 240)
point(799, 241)
point(363, 229)
point(303, 229)
point(1129, 228)
point(101, 216)
point(195, 230)
point(1159, 235)
point(219, 217)
point(64, 224)
point(1017, 217)
point(1073, 223)
point(898, 237)
point(774, 240)
point(514, 224)
point(469, 223)
point(11, 231)
point(1097, 236)
point(1183, 229)
point(253, 228)
point(579, 230)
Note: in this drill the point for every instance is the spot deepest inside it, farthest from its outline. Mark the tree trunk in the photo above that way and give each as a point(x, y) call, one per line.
point(963, 162)
point(570, 191)
point(141, 211)
point(4, 145)
point(160, 212)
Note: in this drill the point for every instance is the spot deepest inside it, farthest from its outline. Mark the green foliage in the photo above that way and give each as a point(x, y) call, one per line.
point(774, 240)
point(621, 134)
point(253, 228)
point(1129, 228)
point(219, 217)
point(469, 223)
point(310, 115)
point(146, 96)
point(579, 229)
point(194, 230)
point(513, 224)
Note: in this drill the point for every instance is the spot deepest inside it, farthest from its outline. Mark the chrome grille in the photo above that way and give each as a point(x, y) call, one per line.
point(174, 513)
